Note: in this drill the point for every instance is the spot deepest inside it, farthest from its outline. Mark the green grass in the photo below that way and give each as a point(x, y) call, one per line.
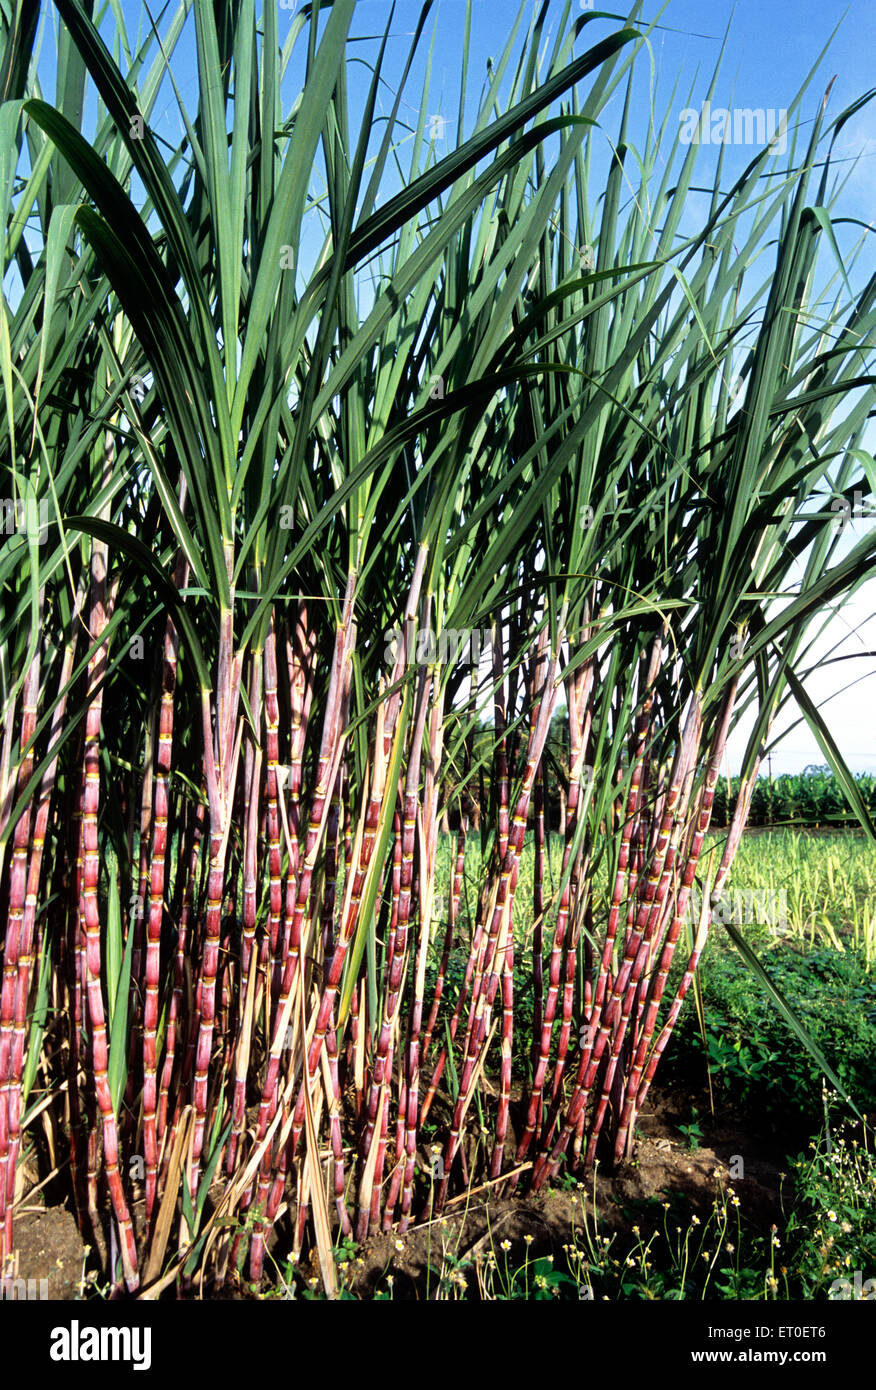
point(749, 1050)
point(830, 882)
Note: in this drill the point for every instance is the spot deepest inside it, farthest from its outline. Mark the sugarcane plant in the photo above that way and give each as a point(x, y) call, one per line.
point(323, 477)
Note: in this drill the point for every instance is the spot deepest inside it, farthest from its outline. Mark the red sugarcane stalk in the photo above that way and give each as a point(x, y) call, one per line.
point(75, 967)
point(380, 1147)
point(394, 1182)
point(330, 877)
point(337, 1138)
point(387, 715)
point(91, 916)
point(25, 964)
point(503, 905)
point(366, 843)
point(352, 904)
point(88, 1178)
point(603, 1014)
point(473, 971)
point(220, 759)
point(474, 947)
point(652, 898)
point(536, 675)
point(270, 944)
point(480, 957)
point(631, 1108)
point(624, 880)
point(489, 940)
point(328, 907)
point(179, 981)
point(136, 912)
point(327, 771)
point(207, 987)
point(156, 901)
point(409, 1089)
point(403, 840)
point(252, 787)
point(642, 727)
point(395, 879)
point(409, 1069)
point(731, 845)
point(396, 965)
point(14, 947)
point(538, 872)
point(170, 657)
point(578, 692)
point(248, 979)
point(506, 1053)
point(580, 720)
point(639, 753)
point(671, 905)
point(300, 659)
point(330, 1061)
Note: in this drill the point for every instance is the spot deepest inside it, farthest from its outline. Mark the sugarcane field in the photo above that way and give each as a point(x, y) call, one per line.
point(438, 663)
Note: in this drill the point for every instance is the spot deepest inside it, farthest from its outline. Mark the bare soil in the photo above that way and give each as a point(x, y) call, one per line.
point(49, 1246)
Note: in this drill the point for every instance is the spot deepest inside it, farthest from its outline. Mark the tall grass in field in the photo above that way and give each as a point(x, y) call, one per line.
point(827, 884)
point(290, 429)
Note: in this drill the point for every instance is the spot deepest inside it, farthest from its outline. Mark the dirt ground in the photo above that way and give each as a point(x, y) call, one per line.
point(48, 1246)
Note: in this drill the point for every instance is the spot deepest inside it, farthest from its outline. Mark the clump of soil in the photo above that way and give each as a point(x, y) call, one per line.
point(664, 1161)
point(48, 1246)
